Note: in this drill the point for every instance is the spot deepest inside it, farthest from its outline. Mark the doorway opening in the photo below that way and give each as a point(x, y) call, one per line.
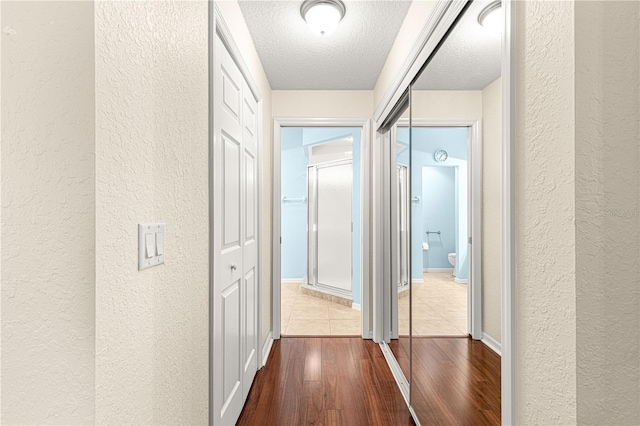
point(437, 206)
point(318, 267)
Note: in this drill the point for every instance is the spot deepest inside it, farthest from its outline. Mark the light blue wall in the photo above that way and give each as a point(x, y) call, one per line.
point(294, 216)
point(425, 141)
point(438, 214)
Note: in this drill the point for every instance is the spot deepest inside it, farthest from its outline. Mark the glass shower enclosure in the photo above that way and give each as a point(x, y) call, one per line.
point(329, 229)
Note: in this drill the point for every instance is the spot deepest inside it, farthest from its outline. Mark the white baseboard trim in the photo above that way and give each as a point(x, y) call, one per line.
point(266, 349)
point(291, 280)
point(492, 343)
point(461, 280)
point(356, 306)
point(437, 270)
point(417, 280)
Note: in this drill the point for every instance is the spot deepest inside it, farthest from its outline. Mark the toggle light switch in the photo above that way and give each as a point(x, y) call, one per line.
point(150, 245)
point(150, 242)
point(160, 243)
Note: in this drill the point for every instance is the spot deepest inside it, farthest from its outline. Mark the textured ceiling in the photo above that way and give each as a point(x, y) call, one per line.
point(469, 59)
point(349, 59)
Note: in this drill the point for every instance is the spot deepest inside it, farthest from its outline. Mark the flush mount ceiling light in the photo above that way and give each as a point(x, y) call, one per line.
point(322, 16)
point(491, 17)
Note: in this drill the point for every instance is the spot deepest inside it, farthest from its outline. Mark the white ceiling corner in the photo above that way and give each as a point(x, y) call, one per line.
point(349, 59)
point(469, 59)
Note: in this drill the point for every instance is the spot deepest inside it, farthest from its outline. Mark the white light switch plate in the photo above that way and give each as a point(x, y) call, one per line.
point(150, 245)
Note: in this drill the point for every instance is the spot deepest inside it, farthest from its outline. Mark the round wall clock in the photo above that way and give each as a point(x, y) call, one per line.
point(440, 155)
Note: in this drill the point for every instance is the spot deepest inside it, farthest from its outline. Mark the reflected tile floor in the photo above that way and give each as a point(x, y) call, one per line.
point(439, 307)
point(304, 315)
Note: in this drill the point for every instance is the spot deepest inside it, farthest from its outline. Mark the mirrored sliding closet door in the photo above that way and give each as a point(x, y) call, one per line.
point(446, 151)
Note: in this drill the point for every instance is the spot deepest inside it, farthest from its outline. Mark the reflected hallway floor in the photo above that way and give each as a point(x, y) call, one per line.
point(456, 380)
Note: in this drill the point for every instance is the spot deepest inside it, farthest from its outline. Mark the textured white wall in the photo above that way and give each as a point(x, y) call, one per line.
point(545, 213)
point(607, 211)
point(47, 176)
point(446, 104)
point(151, 165)
point(232, 16)
point(322, 103)
point(411, 27)
point(491, 208)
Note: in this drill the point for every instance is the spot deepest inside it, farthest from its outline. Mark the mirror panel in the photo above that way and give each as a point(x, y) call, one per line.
point(401, 327)
point(455, 103)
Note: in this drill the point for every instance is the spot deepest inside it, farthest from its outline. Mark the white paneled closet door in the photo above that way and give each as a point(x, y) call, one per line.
point(250, 240)
point(235, 240)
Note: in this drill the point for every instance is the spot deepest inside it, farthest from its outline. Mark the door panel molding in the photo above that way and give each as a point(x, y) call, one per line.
point(218, 26)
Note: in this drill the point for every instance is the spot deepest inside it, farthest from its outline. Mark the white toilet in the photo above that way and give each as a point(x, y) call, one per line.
point(452, 261)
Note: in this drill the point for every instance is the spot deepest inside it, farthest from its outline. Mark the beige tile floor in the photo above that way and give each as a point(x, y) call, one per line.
point(307, 315)
point(439, 307)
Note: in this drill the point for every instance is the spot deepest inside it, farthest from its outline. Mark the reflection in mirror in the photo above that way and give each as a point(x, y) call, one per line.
point(455, 103)
point(401, 346)
point(440, 229)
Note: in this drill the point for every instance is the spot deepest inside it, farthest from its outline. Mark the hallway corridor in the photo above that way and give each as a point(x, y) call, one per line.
point(325, 381)
point(346, 381)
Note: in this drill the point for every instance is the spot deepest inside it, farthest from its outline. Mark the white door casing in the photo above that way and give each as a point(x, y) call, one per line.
point(235, 242)
point(365, 125)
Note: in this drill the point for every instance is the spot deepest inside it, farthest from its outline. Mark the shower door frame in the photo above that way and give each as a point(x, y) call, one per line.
point(312, 279)
point(365, 172)
point(403, 244)
point(397, 240)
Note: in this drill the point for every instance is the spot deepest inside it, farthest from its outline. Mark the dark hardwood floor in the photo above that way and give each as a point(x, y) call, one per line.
point(455, 380)
point(325, 381)
point(400, 349)
point(346, 381)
